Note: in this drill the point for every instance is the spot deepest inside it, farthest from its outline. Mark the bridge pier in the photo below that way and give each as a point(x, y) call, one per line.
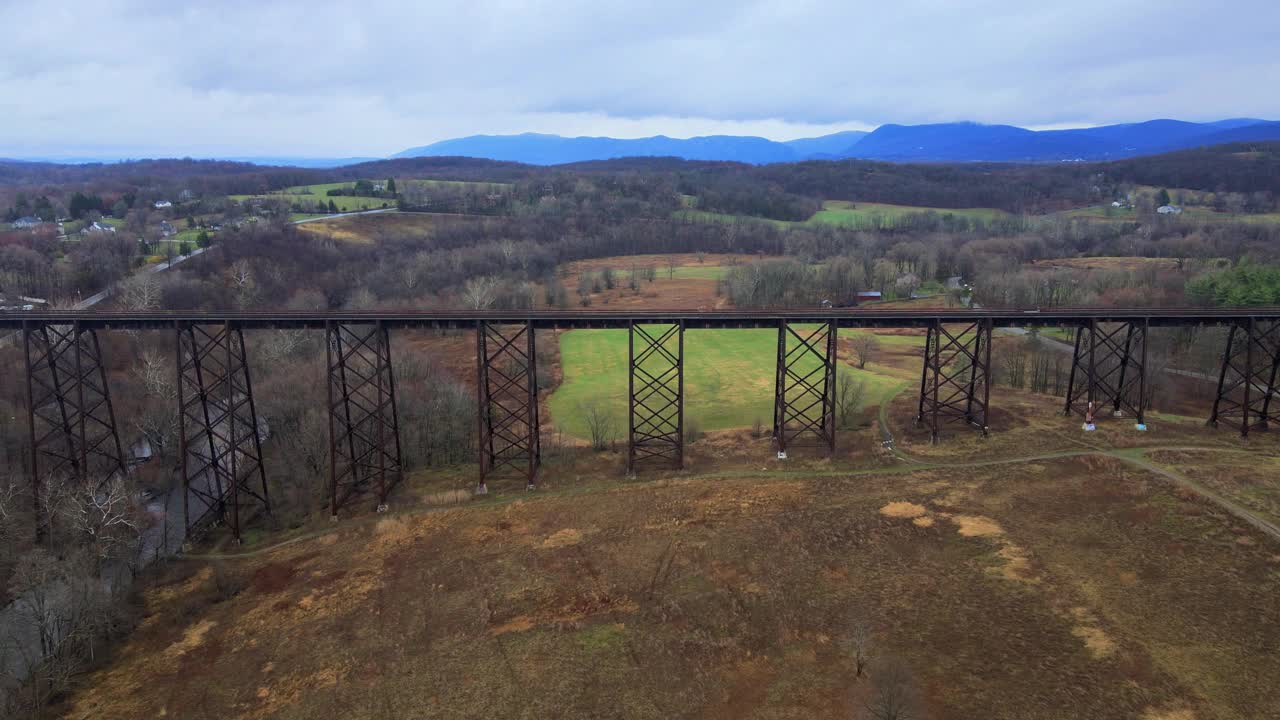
point(805, 387)
point(955, 381)
point(364, 433)
point(655, 392)
point(69, 413)
point(1248, 376)
point(218, 427)
point(507, 386)
point(1109, 369)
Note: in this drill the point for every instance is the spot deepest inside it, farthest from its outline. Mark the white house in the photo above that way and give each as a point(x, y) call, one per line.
point(29, 221)
point(162, 204)
point(1169, 210)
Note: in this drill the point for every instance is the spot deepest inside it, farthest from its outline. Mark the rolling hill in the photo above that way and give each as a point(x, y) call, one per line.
point(940, 142)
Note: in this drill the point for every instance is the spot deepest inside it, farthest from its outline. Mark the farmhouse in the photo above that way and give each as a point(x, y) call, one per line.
point(166, 228)
point(29, 221)
point(1169, 210)
point(100, 227)
point(161, 204)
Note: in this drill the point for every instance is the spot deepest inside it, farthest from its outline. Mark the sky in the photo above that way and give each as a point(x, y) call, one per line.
point(203, 78)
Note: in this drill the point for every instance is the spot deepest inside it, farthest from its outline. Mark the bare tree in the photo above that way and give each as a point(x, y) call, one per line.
point(10, 497)
point(158, 420)
point(599, 425)
point(671, 266)
point(849, 395)
point(140, 292)
point(865, 348)
point(895, 696)
point(107, 517)
point(241, 274)
point(480, 292)
point(860, 643)
point(56, 600)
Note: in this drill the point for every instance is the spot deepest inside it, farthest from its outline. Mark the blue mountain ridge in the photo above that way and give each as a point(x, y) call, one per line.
point(940, 142)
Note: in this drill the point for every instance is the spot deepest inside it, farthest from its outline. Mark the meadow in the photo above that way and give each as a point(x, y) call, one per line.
point(729, 378)
point(849, 214)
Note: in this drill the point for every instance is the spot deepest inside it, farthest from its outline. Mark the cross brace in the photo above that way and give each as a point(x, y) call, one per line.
point(69, 412)
point(955, 382)
point(220, 447)
point(508, 397)
point(1247, 380)
point(655, 392)
point(805, 386)
point(364, 434)
point(1109, 369)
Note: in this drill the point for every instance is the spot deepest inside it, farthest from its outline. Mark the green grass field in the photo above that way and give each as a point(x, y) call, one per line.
point(849, 214)
point(708, 272)
point(343, 202)
point(308, 195)
point(867, 214)
point(729, 379)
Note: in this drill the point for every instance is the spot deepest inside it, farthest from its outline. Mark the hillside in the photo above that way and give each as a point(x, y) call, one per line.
point(1041, 579)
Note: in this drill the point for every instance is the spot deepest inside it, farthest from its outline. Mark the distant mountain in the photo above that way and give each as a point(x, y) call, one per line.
point(833, 146)
point(538, 149)
point(943, 142)
point(302, 162)
point(971, 142)
point(283, 161)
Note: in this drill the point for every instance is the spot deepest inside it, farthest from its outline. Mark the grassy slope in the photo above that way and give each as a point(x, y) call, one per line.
point(729, 378)
point(1058, 588)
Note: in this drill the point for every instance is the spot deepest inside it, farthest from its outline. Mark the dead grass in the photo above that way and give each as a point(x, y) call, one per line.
point(1061, 588)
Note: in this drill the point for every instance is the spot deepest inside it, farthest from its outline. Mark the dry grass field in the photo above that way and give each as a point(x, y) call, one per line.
point(1035, 574)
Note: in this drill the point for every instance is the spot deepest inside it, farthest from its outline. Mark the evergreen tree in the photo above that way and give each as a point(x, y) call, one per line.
point(391, 187)
point(1162, 198)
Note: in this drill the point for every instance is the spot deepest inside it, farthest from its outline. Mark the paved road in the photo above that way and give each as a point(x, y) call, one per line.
point(349, 214)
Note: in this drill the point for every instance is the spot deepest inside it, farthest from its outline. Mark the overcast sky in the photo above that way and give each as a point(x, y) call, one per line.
point(319, 78)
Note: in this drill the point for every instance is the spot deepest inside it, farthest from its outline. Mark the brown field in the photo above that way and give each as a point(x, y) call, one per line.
point(1062, 587)
point(664, 293)
point(624, 263)
point(1130, 264)
point(367, 228)
point(1039, 573)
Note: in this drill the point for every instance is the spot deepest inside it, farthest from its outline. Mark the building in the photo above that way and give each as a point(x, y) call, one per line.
point(1169, 210)
point(867, 296)
point(162, 204)
point(29, 221)
point(101, 227)
point(167, 229)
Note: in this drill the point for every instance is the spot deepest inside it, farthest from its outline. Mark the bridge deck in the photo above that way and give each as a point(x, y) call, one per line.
point(562, 319)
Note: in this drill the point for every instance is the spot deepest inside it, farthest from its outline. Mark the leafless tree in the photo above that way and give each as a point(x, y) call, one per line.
point(107, 517)
point(895, 696)
point(479, 292)
point(140, 292)
point(155, 373)
point(158, 419)
point(57, 600)
point(865, 348)
point(241, 274)
point(671, 266)
point(599, 425)
point(10, 497)
point(860, 643)
point(849, 395)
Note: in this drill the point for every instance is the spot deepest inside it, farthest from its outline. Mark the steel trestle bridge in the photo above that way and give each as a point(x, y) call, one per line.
point(73, 428)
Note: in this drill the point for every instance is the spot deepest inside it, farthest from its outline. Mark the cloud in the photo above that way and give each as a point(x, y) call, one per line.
point(371, 78)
